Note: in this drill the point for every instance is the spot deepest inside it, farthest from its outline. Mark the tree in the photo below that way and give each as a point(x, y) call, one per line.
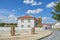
point(56, 12)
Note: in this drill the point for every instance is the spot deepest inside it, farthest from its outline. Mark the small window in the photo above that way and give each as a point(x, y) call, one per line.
point(28, 20)
point(22, 25)
point(28, 25)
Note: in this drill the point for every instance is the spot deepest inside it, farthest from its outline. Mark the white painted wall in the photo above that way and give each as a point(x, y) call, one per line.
point(20, 30)
point(26, 23)
point(57, 25)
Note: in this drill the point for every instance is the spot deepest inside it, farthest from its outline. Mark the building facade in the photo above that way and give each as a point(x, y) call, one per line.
point(27, 22)
point(56, 25)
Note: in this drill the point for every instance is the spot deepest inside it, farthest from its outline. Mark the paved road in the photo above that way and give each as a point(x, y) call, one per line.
point(54, 36)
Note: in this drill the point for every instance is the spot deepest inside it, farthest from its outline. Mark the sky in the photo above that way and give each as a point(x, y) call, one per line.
point(11, 9)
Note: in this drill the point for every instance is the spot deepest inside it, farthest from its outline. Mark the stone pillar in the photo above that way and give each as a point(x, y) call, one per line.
point(33, 30)
point(12, 31)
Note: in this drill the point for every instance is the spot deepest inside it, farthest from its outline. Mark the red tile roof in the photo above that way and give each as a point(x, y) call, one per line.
point(47, 24)
point(26, 17)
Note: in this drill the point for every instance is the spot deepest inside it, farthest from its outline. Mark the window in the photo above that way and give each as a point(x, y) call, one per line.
point(28, 20)
point(22, 20)
point(22, 26)
point(28, 25)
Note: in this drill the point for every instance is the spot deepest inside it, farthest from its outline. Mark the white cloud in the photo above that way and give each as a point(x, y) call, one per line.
point(7, 12)
point(19, 8)
point(9, 19)
point(2, 18)
point(28, 1)
point(47, 20)
point(32, 2)
point(35, 3)
point(12, 19)
point(52, 4)
point(13, 10)
point(34, 11)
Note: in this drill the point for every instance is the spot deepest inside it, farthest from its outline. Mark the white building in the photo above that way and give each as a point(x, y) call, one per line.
point(57, 25)
point(26, 22)
point(49, 26)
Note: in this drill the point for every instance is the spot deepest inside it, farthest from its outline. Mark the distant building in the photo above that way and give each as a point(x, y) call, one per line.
point(47, 25)
point(56, 25)
point(29, 21)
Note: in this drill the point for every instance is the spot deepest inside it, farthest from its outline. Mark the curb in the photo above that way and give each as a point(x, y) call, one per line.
point(45, 36)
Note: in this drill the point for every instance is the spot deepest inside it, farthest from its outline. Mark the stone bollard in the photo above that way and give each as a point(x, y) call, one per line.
point(33, 30)
point(12, 31)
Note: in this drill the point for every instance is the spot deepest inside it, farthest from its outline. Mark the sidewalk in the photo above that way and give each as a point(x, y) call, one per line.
point(26, 36)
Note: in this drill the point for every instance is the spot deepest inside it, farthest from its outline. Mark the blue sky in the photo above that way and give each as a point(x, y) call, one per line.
point(35, 8)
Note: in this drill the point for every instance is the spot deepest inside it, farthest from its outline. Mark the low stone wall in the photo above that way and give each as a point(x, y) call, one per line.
point(7, 29)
